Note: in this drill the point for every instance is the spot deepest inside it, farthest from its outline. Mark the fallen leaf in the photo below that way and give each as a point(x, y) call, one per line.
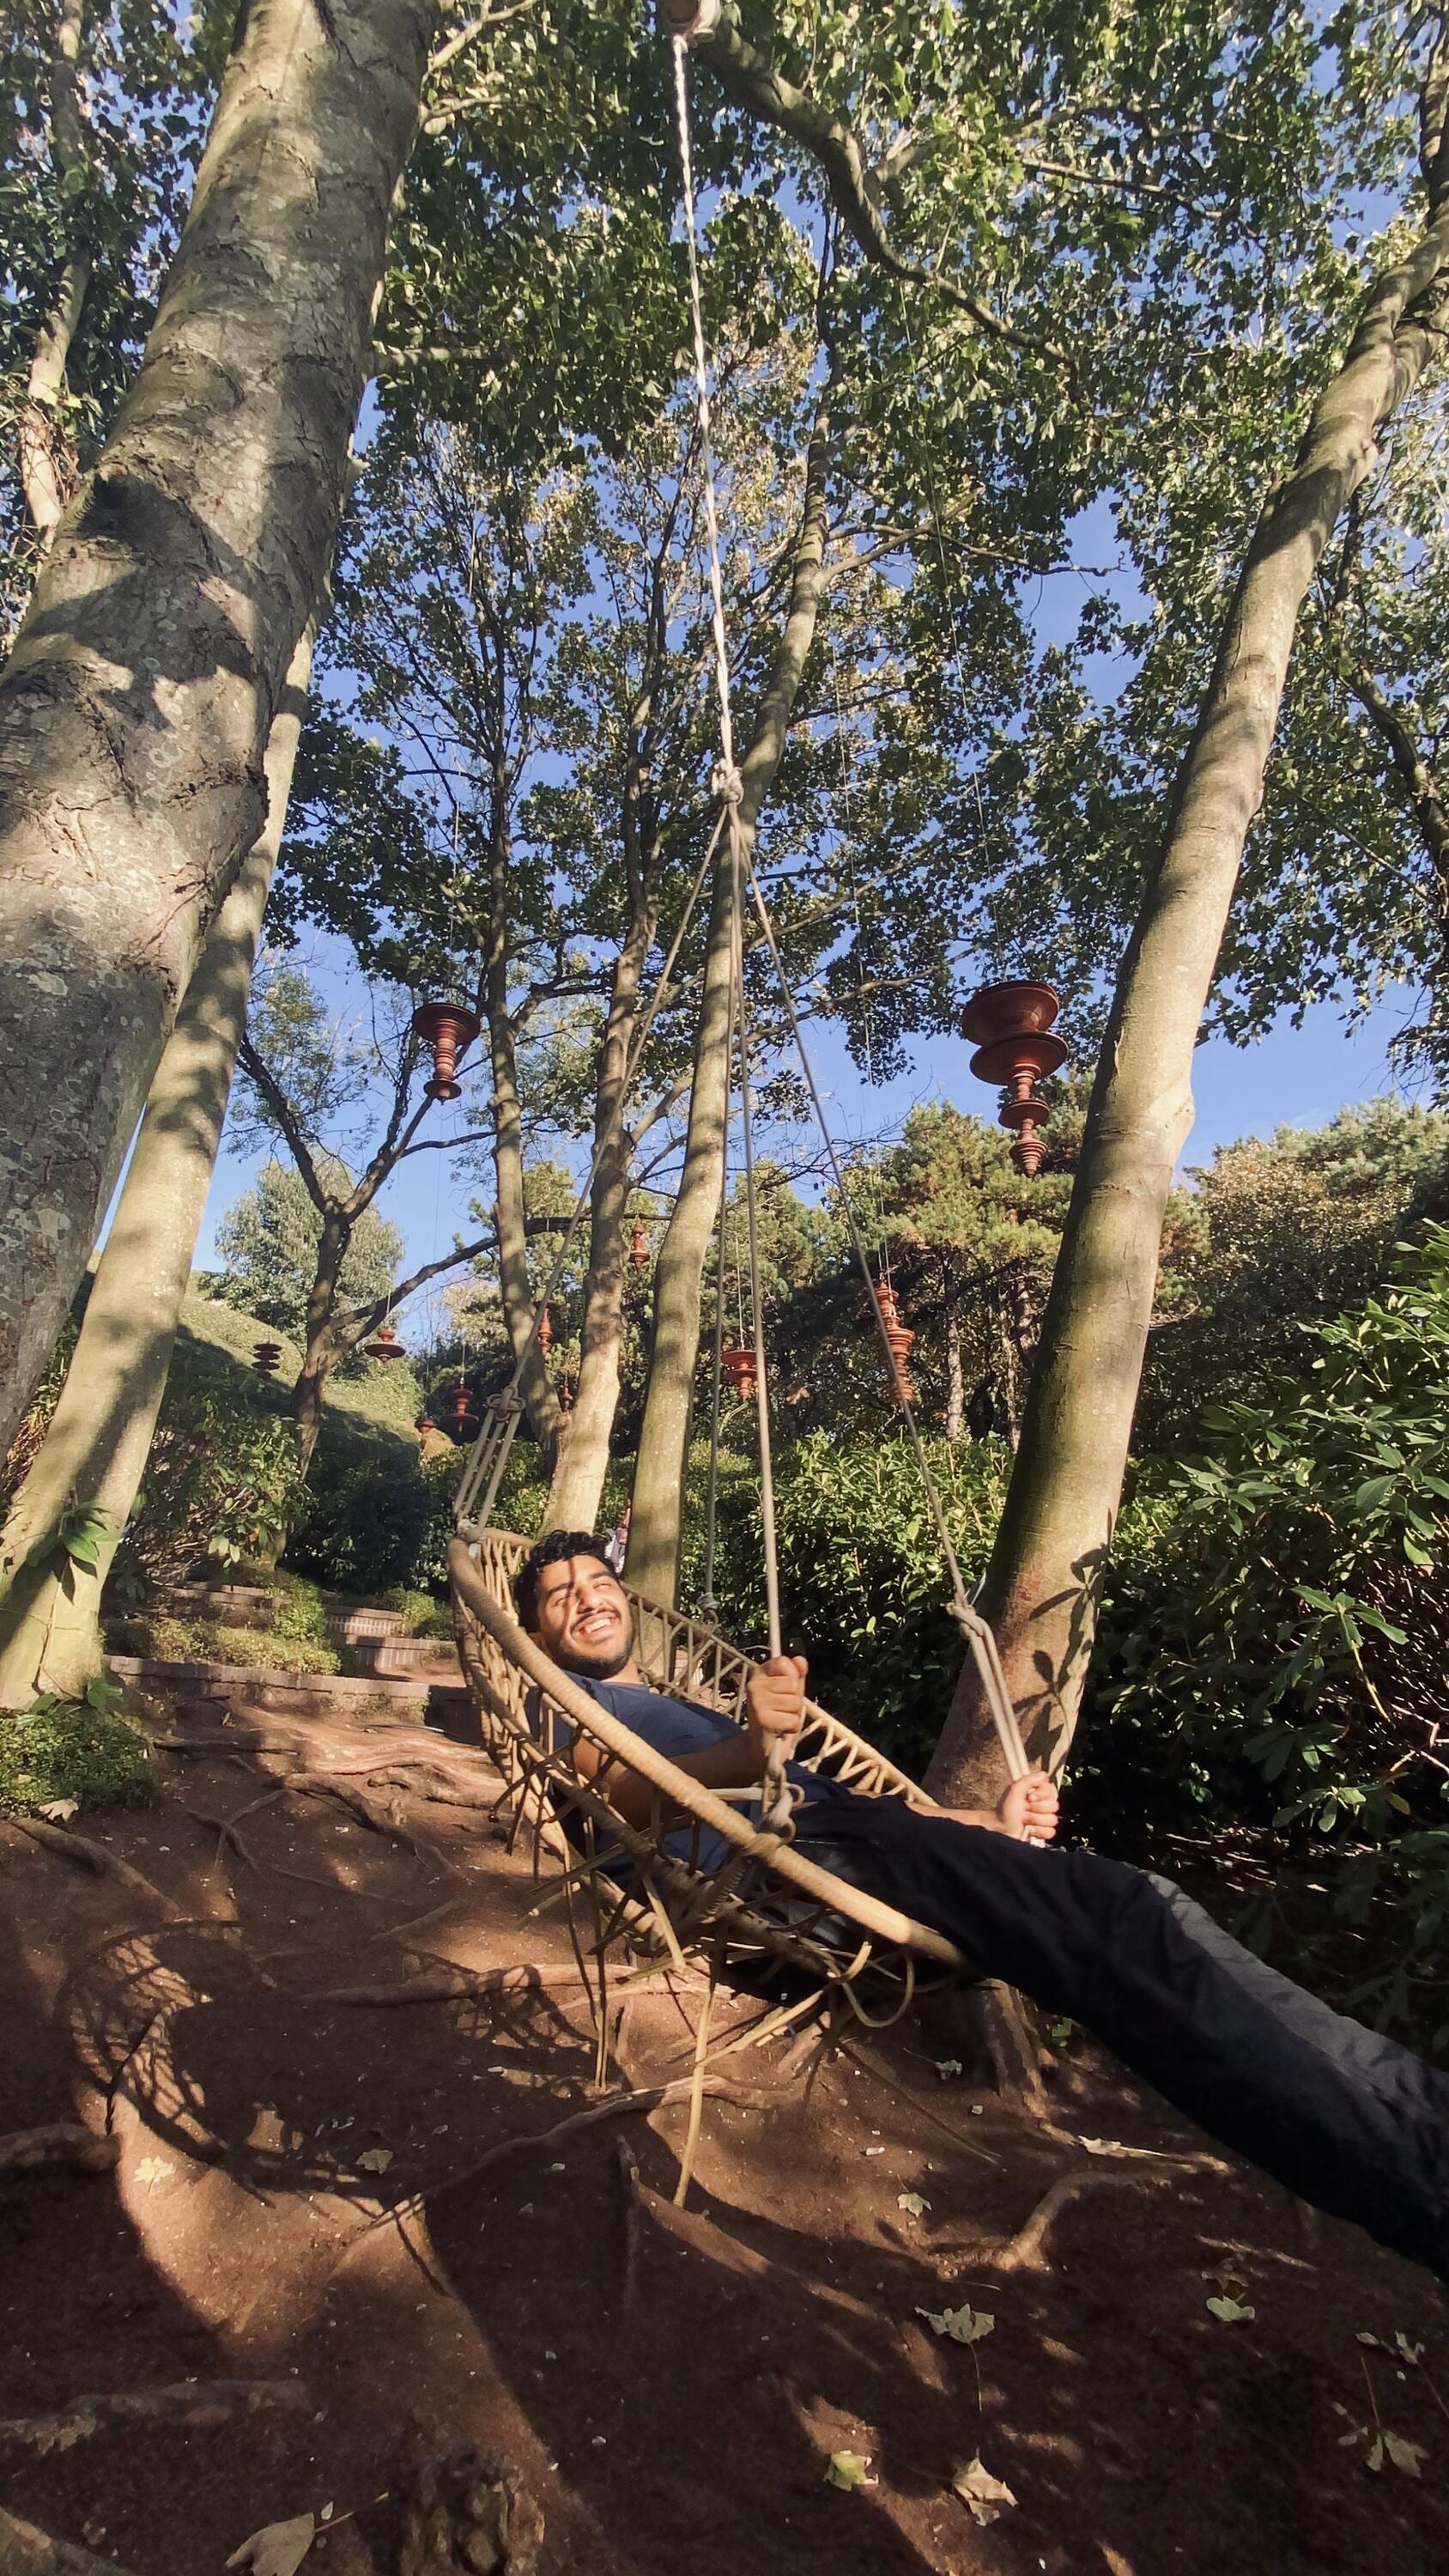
point(374, 2160)
point(278, 2549)
point(1114, 2147)
point(848, 2469)
point(153, 2169)
point(963, 2325)
point(59, 1811)
point(1413, 2353)
point(1231, 2311)
point(1405, 2455)
point(987, 2497)
point(912, 2203)
point(946, 2067)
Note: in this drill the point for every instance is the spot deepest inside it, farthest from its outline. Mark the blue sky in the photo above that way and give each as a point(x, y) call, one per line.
point(1295, 1076)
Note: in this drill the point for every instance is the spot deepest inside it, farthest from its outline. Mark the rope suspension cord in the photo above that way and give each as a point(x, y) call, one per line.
point(776, 1801)
point(490, 1450)
point(979, 1638)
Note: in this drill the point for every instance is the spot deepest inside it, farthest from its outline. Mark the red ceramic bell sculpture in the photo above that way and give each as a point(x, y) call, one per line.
point(898, 1334)
point(386, 1346)
point(565, 1397)
point(267, 1358)
point(545, 1332)
point(462, 1420)
point(638, 1249)
point(449, 1029)
point(739, 1364)
point(1010, 1026)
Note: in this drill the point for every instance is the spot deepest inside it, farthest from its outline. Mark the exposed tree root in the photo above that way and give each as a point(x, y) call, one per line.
point(63, 2144)
point(1026, 2251)
point(447, 1984)
point(195, 2404)
point(91, 1856)
point(26, 2550)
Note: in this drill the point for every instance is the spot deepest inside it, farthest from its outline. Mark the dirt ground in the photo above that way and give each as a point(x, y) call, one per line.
point(298, 2202)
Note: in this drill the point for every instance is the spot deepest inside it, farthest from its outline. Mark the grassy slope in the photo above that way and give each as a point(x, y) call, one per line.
point(381, 1405)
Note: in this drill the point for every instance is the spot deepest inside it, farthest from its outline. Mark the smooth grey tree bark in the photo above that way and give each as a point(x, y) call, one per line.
point(143, 684)
point(99, 1437)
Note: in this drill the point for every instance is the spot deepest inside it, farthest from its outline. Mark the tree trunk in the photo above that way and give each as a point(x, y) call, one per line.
point(1044, 1579)
point(99, 1438)
point(955, 1386)
point(510, 1209)
point(657, 1506)
point(658, 1502)
point(322, 1349)
point(140, 693)
point(46, 467)
point(578, 1479)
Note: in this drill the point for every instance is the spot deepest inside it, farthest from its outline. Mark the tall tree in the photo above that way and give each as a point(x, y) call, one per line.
point(101, 114)
point(87, 1472)
point(142, 686)
point(1046, 1570)
point(304, 1071)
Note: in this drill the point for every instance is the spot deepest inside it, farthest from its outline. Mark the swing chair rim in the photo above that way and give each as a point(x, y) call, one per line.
point(884, 1922)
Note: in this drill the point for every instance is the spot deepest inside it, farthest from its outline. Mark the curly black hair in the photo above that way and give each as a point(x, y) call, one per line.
point(548, 1551)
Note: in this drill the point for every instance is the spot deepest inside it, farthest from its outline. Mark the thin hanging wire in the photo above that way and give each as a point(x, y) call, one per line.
point(978, 1635)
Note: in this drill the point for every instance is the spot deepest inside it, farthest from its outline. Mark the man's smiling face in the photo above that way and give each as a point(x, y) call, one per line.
point(583, 1618)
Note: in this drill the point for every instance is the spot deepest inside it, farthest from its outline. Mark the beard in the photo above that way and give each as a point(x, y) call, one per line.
point(596, 1668)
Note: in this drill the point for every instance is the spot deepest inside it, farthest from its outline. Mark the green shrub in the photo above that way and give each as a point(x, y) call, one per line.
point(421, 1613)
point(298, 1610)
point(221, 1480)
point(1277, 1631)
point(81, 1749)
point(863, 1588)
point(364, 1526)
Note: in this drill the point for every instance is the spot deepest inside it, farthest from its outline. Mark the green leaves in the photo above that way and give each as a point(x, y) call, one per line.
point(78, 1538)
point(848, 2469)
point(962, 2325)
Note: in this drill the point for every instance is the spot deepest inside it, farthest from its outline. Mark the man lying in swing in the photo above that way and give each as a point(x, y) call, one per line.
point(1341, 2115)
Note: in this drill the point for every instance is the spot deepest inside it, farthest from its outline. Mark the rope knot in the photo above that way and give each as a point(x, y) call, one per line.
point(726, 783)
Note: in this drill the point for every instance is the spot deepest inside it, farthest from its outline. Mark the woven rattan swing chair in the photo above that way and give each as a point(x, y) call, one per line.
point(765, 1902)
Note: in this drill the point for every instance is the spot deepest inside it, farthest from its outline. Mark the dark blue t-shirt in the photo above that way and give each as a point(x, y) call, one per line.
point(676, 1727)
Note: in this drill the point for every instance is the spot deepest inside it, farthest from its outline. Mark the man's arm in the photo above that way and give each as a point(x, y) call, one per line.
point(774, 1708)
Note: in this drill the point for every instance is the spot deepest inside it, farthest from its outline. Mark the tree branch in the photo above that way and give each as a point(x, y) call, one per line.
point(749, 78)
point(262, 1079)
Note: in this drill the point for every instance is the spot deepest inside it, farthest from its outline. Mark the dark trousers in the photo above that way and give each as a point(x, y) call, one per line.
point(1343, 2116)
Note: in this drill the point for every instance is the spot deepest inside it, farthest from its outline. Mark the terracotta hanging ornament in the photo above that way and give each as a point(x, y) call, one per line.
point(267, 1358)
point(545, 1332)
point(565, 1397)
point(737, 1359)
point(386, 1346)
point(449, 1029)
point(1010, 1026)
point(638, 1249)
point(897, 1333)
point(462, 1420)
